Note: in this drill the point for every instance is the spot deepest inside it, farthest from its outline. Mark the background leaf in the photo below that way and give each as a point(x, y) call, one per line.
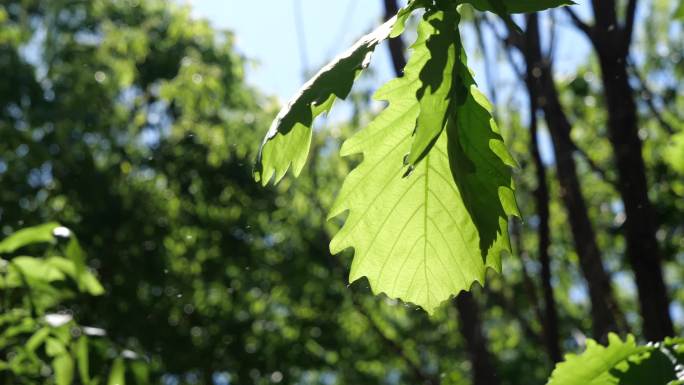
point(28, 236)
point(288, 140)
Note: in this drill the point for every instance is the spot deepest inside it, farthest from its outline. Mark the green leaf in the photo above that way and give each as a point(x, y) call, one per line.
point(75, 253)
point(594, 365)
point(63, 365)
point(403, 15)
point(289, 137)
point(82, 359)
point(117, 375)
point(414, 236)
point(518, 6)
point(28, 236)
point(37, 339)
point(444, 80)
point(86, 280)
point(141, 372)
point(31, 270)
point(54, 347)
point(653, 367)
point(674, 152)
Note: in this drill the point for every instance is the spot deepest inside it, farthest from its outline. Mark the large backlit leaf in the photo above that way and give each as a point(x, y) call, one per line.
point(289, 138)
point(415, 237)
point(443, 82)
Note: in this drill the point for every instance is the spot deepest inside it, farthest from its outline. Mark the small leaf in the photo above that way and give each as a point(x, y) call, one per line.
point(31, 270)
point(88, 282)
point(289, 137)
point(54, 347)
point(117, 374)
point(75, 253)
point(37, 339)
point(63, 365)
point(141, 372)
point(83, 359)
point(28, 236)
point(403, 15)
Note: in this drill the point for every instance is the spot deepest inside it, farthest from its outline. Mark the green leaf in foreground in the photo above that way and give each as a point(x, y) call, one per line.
point(445, 80)
point(594, 365)
point(620, 362)
point(416, 237)
point(289, 138)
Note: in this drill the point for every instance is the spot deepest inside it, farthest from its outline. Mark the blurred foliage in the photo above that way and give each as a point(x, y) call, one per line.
point(38, 334)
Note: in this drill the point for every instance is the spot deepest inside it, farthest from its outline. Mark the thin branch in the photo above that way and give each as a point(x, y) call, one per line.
point(593, 165)
point(396, 347)
point(548, 57)
point(584, 27)
point(485, 57)
point(301, 38)
point(512, 40)
point(649, 96)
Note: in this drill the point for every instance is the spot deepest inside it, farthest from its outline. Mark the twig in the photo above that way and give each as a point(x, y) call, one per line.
point(643, 87)
point(584, 27)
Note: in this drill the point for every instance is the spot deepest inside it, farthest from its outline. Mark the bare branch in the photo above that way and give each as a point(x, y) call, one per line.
point(581, 25)
point(648, 98)
point(593, 165)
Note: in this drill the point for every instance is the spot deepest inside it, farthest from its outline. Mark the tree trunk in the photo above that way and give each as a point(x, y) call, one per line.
point(396, 45)
point(470, 325)
point(611, 42)
point(603, 304)
point(542, 199)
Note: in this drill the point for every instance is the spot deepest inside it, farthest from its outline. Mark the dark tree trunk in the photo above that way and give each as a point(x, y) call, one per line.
point(470, 325)
point(603, 304)
point(611, 42)
point(396, 45)
point(542, 199)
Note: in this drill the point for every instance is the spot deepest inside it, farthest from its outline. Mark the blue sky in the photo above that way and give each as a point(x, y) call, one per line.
point(271, 38)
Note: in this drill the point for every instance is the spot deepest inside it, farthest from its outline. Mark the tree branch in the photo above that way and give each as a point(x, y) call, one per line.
point(648, 97)
point(593, 165)
point(581, 25)
point(396, 45)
